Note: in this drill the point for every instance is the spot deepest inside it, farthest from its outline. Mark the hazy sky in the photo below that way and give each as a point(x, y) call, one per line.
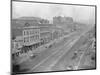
point(83, 14)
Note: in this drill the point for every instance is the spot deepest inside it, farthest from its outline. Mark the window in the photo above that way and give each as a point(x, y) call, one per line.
point(24, 32)
point(32, 31)
point(16, 46)
point(26, 39)
point(31, 38)
point(37, 37)
point(27, 32)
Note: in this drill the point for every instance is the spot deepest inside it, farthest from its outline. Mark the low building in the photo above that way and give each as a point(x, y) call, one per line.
point(17, 44)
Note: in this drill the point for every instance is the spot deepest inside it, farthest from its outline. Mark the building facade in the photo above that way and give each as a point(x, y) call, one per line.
point(59, 19)
point(34, 34)
point(31, 35)
point(17, 44)
point(66, 23)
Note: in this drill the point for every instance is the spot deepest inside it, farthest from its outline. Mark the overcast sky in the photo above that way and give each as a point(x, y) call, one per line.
point(85, 14)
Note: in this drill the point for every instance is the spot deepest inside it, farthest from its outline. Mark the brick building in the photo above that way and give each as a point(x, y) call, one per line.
point(64, 22)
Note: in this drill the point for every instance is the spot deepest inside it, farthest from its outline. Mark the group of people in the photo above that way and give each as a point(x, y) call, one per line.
point(26, 49)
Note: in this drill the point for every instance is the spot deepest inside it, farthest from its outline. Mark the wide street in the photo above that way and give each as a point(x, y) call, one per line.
point(58, 57)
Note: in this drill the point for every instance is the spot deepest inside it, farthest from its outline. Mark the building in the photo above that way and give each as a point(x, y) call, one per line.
point(31, 35)
point(49, 32)
point(57, 33)
point(45, 32)
point(16, 37)
point(46, 37)
point(20, 22)
point(65, 23)
point(61, 20)
point(17, 44)
point(37, 33)
point(44, 21)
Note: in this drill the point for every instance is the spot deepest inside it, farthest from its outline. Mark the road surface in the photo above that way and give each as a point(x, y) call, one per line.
point(58, 57)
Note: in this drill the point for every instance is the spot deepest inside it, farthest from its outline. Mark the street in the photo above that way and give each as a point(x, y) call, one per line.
point(58, 57)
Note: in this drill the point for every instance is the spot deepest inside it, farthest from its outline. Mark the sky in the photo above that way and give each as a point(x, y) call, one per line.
point(84, 14)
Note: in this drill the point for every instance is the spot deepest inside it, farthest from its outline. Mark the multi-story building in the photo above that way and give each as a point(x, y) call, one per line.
point(31, 35)
point(59, 19)
point(64, 22)
point(37, 33)
point(57, 32)
point(45, 37)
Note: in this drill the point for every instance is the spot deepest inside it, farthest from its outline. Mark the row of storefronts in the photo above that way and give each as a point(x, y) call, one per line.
point(32, 35)
point(36, 30)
